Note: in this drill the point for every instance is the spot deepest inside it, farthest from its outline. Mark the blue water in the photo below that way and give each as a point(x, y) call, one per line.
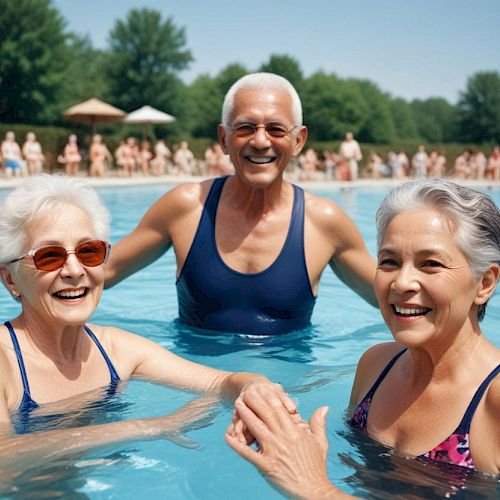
point(316, 366)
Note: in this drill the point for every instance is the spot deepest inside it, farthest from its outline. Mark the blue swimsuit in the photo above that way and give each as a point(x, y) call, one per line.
point(213, 296)
point(27, 403)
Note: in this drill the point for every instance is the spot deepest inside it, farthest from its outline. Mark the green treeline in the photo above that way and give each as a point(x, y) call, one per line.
point(44, 69)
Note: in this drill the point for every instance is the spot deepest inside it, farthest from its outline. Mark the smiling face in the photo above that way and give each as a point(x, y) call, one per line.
point(424, 283)
point(260, 159)
point(66, 296)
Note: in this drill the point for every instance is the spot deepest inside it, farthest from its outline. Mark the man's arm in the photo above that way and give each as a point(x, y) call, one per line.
point(352, 262)
point(153, 235)
point(341, 246)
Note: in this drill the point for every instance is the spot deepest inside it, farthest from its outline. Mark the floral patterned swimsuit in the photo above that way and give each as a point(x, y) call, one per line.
point(455, 448)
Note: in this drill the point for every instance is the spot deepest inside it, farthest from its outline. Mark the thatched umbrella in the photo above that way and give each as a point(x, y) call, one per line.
point(94, 111)
point(147, 116)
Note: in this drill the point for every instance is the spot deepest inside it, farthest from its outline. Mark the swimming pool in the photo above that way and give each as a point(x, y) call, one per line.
point(316, 366)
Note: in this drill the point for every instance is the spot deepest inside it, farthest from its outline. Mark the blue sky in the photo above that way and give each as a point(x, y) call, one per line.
point(410, 48)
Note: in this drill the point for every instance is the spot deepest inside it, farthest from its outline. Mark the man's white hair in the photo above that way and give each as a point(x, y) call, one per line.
point(267, 81)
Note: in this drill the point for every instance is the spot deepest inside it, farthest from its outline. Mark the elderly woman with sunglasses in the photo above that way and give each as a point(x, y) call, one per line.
point(53, 249)
point(434, 393)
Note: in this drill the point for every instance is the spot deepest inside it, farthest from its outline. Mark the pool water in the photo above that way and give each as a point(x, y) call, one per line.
point(316, 366)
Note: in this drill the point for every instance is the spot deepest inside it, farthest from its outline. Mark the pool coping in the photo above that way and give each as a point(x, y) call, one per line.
point(317, 185)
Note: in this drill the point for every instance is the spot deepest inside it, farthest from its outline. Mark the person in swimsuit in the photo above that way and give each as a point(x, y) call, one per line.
point(434, 393)
point(98, 155)
point(32, 152)
point(250, 247)
point(71, 157)
point(11, 155)
point(53, 252)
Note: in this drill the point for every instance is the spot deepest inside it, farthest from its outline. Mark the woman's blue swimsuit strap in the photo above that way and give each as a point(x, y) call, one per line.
point(27, 402)
point(213, 296)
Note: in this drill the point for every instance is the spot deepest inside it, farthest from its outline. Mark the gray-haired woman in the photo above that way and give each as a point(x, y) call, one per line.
point(53, 249)
point(434, 393)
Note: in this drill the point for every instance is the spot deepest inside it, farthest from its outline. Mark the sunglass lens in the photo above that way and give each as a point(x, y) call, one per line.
point(91, 253)
point(49, 258)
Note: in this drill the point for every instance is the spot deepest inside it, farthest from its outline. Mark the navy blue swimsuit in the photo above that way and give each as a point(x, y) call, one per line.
point(27, 403)
point(213, 296)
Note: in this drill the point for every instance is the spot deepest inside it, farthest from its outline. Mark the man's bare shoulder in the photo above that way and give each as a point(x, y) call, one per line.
point(324, 213)
point(184, 197)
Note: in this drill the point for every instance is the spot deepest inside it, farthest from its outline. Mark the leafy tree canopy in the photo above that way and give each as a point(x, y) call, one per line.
point(286, 66)
point(84, 76)
point(435, 118)
point(404, 119)
point(145, 54)
point(33, 56)
point(479, 108)
point(332, 106)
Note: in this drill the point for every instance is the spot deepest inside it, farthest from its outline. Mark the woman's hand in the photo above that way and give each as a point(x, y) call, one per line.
point(291, 454)
point(273, 393)
point(194, 415)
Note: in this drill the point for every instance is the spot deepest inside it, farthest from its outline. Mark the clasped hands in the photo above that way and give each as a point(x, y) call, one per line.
point(290, 452)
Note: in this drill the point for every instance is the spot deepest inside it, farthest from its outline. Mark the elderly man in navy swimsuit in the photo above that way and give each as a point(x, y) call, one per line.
point(250, 248)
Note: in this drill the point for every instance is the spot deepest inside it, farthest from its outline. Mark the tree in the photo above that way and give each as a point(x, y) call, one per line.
point(404, 119)
point(146, 53)
point(84, 74)
point(206, 99)
point(436, 119)
point(33, 56)
point(377, 125)
point(285, 66)
point(479, 108)
point(229, 75)
point(207, 95)
point(332, 107)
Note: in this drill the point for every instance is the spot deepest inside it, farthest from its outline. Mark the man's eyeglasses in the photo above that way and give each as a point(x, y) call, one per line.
point(273, 130)
point(51, 257)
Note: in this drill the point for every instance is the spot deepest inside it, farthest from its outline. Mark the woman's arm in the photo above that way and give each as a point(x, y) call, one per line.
point(140, 357)
point(16, 450)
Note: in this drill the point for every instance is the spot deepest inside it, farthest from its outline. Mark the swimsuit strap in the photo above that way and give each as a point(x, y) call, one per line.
point(464, 425)
point(20, 361)
point(113, 373)
point(212, 201)
point(385, 371)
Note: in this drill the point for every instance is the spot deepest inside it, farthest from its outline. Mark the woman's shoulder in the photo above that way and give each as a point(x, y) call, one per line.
point(370, 365)
point(492, 400)
point(118, 342)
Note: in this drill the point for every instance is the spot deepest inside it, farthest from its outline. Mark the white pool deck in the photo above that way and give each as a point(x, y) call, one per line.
point(316, 185)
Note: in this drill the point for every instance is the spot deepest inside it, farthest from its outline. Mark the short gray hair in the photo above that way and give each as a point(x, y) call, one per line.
point(268, 81)
point(46, 194)
point(473, 215)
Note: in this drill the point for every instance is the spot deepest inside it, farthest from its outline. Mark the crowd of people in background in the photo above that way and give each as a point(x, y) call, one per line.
point(133, 157)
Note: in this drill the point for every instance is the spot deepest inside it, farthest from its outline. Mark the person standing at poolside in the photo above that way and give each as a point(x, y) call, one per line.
point(71, 157)
point(351, 152)
point(162, 157)
point(419, 162)
point(11, 154)
point(98, 155)
point(250, 248)
point(184, 159)
point(32, 152)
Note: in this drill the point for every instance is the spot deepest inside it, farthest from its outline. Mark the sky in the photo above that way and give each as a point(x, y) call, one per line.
point(413, 49)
